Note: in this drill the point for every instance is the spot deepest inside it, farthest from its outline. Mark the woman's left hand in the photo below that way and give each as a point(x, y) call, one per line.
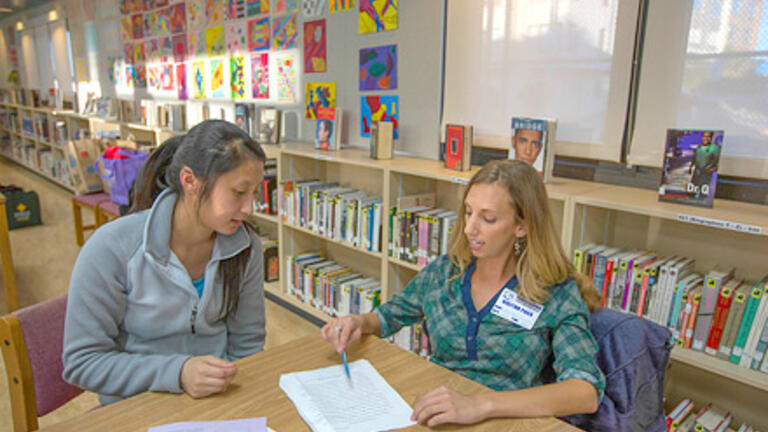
point(444, 405)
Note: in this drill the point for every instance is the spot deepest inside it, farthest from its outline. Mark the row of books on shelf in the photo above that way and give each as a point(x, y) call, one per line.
point(9, 119)
point(717, 313)
point(331, 210)
point(266, 201)
point(333, 288)
point(53, 164)
point(419, 232)
point(711, 418)
point(162, 115)
point(414, 338)
point(271, 259)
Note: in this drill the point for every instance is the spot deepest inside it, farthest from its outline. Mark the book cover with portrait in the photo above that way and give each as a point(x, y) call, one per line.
point(689, 173)
point(328, 128)
point(531, 141)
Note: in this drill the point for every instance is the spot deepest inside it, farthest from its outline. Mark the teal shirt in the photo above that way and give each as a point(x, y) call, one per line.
point(199, 284)
point(493, 351)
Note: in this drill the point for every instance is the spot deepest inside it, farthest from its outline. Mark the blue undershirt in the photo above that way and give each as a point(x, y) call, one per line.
point(199, 284)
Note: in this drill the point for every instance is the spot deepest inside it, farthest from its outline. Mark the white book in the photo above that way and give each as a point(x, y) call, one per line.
point(754, 333)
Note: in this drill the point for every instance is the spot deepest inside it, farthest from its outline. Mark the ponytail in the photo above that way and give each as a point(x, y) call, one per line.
point(151, 179)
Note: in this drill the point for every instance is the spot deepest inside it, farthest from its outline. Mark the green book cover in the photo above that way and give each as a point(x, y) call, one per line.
point(746, 322)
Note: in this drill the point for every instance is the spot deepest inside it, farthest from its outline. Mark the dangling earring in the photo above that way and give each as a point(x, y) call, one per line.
point(520, 244)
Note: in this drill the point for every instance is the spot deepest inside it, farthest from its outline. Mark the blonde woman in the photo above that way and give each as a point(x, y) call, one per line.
point(502, 304)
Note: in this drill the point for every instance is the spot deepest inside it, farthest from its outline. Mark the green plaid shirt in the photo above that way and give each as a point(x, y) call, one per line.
point(487, 348)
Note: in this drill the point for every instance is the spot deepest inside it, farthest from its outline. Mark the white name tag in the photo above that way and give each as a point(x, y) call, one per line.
point(512, 308)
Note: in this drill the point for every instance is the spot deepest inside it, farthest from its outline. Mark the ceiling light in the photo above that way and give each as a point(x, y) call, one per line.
point(19, 26)
point(4, 9)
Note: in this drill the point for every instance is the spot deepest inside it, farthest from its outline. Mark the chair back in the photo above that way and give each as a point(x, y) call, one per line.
point(32, 344)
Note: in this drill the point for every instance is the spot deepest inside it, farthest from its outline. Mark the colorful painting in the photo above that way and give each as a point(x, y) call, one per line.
point(256, 7)
point(378, 108)
point(286, 77)
point(378, 68)
point(196, 45)
point(149, 20)
point(130, 55)
point(166, 77)
point(153, 50)
point(137, 22)
point(236, 37)
point(129, 75)
point(284, 32)
point(196, 17)
point(126, 29)
point(140, 76)
point(319, 94)
point(235, 9)
point(217, 79)
point(81, 69)
point(260, 75)
point(179, 48)
point(214, 41)
point(312, 8)
point(237, 77)
point(378, 15)
point(341, 5)
point(161, 26)
point(154, 77)
point(258, 34)
point(314, 46)
point(178, 18)
point(161, 3)
point(181, 81)
point(283, 6)
point(166, 49)
point(198, 79)
point(140, 53)
point(214, 11)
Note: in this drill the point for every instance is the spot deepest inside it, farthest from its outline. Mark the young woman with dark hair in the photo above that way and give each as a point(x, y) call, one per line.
point(164, 299)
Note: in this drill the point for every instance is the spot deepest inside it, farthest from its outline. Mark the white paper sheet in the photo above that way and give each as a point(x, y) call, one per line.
point(244, 425)
point(329, 402)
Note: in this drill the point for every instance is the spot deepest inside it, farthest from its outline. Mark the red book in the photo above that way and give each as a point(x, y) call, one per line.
point(606, 281)
point(720, 317)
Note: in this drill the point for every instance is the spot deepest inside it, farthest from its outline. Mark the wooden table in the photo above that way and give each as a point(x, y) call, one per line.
point(255, 392)
point(9, 279)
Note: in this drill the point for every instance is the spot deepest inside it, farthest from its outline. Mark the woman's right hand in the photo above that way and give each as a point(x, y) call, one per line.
point(206, 375)
point(341, 331)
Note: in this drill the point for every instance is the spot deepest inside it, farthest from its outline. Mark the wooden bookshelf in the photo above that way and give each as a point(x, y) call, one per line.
point(265, 217)
point(721, 367)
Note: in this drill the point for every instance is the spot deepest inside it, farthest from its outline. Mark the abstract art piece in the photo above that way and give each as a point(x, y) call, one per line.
point(140, 54)
point(166, 49)
point(312, 8)
point(235, 9)
point(217, 79)
point(378, 68)
point(130, 55)
point(152, 50)
point(258, 34)
point(341, 5)
point(214, 11)
point(196, 18)
point(137, 22)
point(256, 7)
point(198, 79)
point(319, 94)
point(126, 29)
point(260, 75)
point(314, 46)
point(378, 108)
point(284, 32)
point(377, 15)
point(154, 77)
point(214, 41)
point(178, 19)
point(196, 45)
point(166, 77)
point(237, 77)
point(283, 6)
point(179, 48)
point(140, 76)
point(236, 37)
point(181, 81)
point(287, 73)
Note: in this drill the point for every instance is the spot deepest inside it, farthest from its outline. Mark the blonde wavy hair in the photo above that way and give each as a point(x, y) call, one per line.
point(542, 261)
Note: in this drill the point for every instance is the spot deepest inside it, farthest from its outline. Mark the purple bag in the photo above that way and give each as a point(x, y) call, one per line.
point(120, 173)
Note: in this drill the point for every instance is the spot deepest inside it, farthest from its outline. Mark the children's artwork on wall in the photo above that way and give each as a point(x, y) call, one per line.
point(178, 18)
point(198, 79)
point(284, 32)
point(260, 75)
point(162, 23)
point(256, 7)
point(237, 77)
point(377, 15)
point(196, 46)
point(166, 49)
point(378, 68)
point(140, 53)
point(129, 75)
point(130, 55)
point(179, 48)
point(137, 22)
point(214, 10)
point(258, 34)
point(340, 5)
point(140, 76)
point(312, 8)
point(126, 29)
point(319, 94)
point(378, 108)
point(81, 69)
point(235, 9)
point(196, 17)
point(214, 41)
point(283, 6)
point(217, 79)
point(236, 36)
point(154, 77)
point(161, 3)
point(166, 77)
point(314, 46)
point(150, 20)
point(152, 50)
point(113, 72)
point(181, 81)
point(286, 77)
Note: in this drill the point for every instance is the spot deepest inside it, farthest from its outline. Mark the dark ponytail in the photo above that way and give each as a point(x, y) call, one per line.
point(210, 149)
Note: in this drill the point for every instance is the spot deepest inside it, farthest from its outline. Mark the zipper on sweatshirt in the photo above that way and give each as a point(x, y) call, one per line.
point(192, 319)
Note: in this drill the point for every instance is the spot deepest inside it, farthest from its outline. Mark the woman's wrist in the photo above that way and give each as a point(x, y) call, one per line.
point(485, 405)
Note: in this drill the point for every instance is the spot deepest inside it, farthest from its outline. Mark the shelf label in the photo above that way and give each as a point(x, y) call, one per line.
point(722, 224)
point(324, 157)
point(460, 180)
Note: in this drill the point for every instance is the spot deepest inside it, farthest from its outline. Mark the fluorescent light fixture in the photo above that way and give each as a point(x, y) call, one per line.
point(19, 26)
point(53, 15)
point(4, 9)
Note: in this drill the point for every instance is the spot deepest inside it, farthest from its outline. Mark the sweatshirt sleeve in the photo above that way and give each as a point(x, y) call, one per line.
point(246, 327)
point(92, 353)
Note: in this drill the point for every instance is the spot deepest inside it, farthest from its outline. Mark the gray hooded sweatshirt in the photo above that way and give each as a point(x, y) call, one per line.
point(134, 317)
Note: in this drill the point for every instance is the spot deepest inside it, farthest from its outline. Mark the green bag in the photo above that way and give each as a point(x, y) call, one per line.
point(21, 208)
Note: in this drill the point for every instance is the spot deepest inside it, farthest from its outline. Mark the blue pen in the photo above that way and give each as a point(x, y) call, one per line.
point(346, 365)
